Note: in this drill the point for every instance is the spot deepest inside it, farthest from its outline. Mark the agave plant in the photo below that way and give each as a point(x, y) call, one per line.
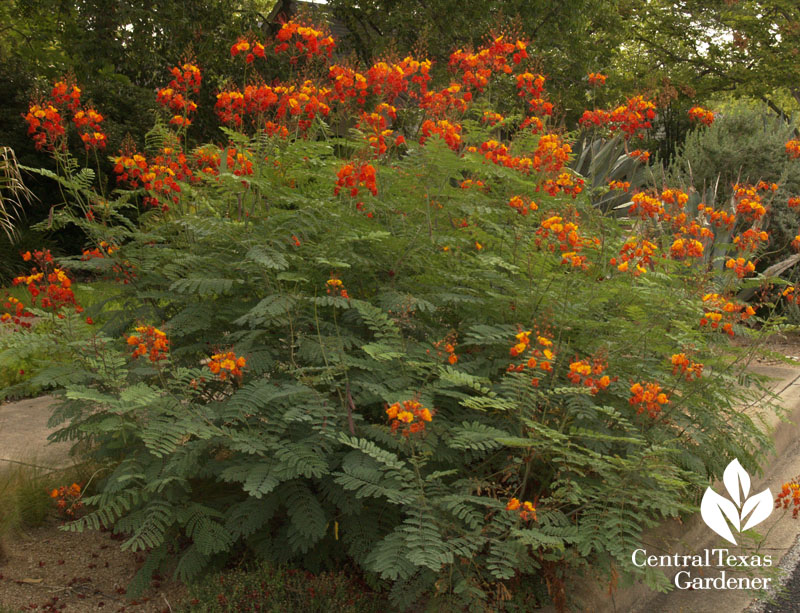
point(600, 161)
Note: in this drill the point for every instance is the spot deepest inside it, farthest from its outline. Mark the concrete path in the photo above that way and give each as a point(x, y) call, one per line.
point(24, 432)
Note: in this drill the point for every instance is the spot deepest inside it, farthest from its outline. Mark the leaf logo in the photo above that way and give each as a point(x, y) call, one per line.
point(720, 514)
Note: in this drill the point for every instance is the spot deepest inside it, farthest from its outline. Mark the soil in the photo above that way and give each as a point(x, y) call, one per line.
point(47, 569)
point(789, 602)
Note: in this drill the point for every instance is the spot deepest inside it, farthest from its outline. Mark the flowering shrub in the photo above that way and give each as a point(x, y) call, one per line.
point(291, 405)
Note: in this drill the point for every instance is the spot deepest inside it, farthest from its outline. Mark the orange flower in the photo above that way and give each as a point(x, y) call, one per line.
point(527, 510)
point(596, 79)
point(698, 113)
point(409, 413)
point(151, 342)
point(335, 287)
point(740, 266)
point(681, 364)
point(581, 371)
point(226, 365)
point(648, 396)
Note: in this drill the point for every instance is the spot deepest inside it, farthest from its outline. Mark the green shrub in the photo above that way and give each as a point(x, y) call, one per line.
point(457, 390)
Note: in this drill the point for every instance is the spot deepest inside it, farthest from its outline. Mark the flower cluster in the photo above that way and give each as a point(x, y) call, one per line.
point(473, 184)
point(569, 240)
point(646, 206)
point(103, 250)
point(748, 201)
point(307, 40)
point(16, 313)
point(522, 207)
point(449, 343)
point(681, 365)
point(740, 266)
point(631, 118)
point(248, 50)
point(476, 68)
point(409, 415)
point(47, 284)
point(174, 97)
point(682, 248)
point(46, 119)
point(527, 511)
point(239, 161)
point(551, 154)
point(149, 341)
point(792, 294)
point(264, 103)
point(335, 287)
point(66, 94)
point(68, 499)
point(649, 206)
point(353, 179)
point(540, 354)
point(45, 126)
point(565, 182)
point(719, 310)
point(648, 396)
point(226, 365)
point(531, 87)
point(636, 252)
point(492, 118)
point(793, 149)
point(87, 122)
point(704, 116)
point(159, 175)
point(789, 496)
point(717, 218)
point(589, 374)
point(750, 240)
point(596, 79)
point(449, 132)
point(377, 123)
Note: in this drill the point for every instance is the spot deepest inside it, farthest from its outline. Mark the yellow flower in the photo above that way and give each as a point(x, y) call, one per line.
point(405, 416)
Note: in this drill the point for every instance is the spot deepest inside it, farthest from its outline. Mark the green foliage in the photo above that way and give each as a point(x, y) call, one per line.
point(747, 48)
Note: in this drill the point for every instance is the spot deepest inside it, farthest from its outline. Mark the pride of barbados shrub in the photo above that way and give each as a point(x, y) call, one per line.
point(418, 348)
